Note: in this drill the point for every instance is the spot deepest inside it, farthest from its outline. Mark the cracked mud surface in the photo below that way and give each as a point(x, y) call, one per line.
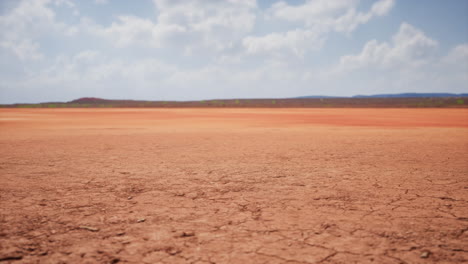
point(234, 186)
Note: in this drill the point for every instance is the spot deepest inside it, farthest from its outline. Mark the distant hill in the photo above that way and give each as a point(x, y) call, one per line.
point(400, 95)
point(407, 95)
point(89, 100)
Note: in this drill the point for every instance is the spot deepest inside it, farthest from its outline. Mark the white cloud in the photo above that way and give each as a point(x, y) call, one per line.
point(382, 7)
point(297, 41)
point(189, 25)
point(207, 16)
point(409, 62)
point(409, 47)
point(340, 15)
point(216, 25)
point(29, 20)
point(458, 54)
point(455, 64)
point(310, 12)
point(352, 19)
point(315, 20)
point(130, 30)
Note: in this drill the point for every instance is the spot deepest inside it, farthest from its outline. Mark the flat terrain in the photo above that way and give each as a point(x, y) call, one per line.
point(234, 185)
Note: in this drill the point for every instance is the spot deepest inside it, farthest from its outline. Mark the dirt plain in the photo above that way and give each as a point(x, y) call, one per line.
point(234, 185)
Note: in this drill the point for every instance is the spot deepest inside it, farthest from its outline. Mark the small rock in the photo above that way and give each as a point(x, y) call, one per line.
point(187, 234)
point(141, 220)
point(179, 194)
point(120, 234)
point(36, 233)
point(129, 198)
point(30, 248)
point(172, 251)
point(89, 228)
point(425, 254)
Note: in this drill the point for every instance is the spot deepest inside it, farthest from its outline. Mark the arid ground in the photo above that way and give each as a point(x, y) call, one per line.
point(234, 185)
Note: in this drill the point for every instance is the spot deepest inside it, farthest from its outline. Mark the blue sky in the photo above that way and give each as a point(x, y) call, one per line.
point(60, 50)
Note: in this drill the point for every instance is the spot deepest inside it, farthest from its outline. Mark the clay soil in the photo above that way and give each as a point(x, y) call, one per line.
point(234, 185)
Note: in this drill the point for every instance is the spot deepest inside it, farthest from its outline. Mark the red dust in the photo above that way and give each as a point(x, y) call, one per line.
point(233, 185)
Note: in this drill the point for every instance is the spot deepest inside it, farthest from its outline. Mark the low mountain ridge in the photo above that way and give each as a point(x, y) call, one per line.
point(405, 100)
point(408, 95)
point(400, 95)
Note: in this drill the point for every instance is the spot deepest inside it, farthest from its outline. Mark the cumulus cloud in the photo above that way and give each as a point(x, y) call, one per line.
point(352, 19)
point(340, 15)
point(297, 41)
point(311, 12)
point(216, 25)
point(190, 24)
point(29, 20)
point(455, 64)
point(408, 62)
point(131, 30)
point(409, 47)
point(314, 19)
point(458, 54)
point(207, 16)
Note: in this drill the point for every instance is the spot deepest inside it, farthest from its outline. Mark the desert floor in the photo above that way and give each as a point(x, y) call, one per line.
point(234, 185)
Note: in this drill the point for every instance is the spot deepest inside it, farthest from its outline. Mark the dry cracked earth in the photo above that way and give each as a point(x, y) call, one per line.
point(234, 186)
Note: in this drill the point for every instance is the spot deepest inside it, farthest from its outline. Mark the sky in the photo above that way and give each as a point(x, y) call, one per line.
point(61, 50)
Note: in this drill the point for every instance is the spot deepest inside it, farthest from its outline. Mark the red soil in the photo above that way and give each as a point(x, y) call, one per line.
point(234, 185)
